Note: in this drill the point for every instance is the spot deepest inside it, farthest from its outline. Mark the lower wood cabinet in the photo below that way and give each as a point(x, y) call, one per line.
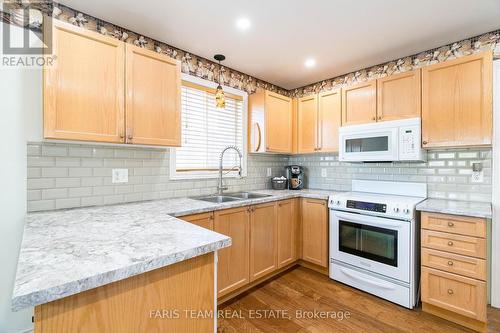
point(263, 237)
point(454, 268)
point(204, 220)
point(315, 231)
point(288, 231)
point(234, 261)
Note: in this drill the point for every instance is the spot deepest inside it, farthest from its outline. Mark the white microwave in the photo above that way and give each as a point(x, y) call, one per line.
point(397, 140)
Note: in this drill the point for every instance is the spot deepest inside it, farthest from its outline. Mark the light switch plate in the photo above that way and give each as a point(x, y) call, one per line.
point(269, 172)
point(119, 176)
point(323, 173)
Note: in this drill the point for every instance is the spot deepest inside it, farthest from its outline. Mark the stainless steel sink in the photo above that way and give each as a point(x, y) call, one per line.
point(248, 195)
point(217, 198)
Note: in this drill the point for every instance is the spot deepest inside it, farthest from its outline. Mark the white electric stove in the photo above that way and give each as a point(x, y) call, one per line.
point(374, 239)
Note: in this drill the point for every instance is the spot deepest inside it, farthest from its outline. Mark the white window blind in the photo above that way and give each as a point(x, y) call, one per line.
point(206, 131)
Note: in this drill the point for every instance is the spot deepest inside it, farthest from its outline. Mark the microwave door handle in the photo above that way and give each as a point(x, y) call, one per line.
point(352, 218)
point(367, 281)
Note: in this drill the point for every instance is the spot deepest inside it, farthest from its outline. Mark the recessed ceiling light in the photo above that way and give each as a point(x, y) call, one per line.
point(243, 23)
point(310, 63)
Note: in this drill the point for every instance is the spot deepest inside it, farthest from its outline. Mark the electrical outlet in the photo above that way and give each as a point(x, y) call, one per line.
point(119, 176)
point(323, 173)
point(477, 177)
point(269, 172)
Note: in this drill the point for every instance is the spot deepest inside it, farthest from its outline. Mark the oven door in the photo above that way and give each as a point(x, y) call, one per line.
point(376, 244)
point(369, 145)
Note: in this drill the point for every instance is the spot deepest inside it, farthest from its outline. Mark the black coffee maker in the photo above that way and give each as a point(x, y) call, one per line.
point(295, 176)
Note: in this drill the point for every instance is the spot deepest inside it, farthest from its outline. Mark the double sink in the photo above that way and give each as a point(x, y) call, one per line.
point(228, 197)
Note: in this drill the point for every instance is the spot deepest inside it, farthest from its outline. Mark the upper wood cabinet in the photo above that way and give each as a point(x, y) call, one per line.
point(398, 96)
point(329, 119)
point(153, 100)
point(307, 124)
point(359, 103)
point(288, 224)
point(83, 90)
point(204, 220)
point(315, 231)
point(101, 89)
point(263, 236)
point(233, 261)
point(270, 122)
point(318, 122)
point(457, 102)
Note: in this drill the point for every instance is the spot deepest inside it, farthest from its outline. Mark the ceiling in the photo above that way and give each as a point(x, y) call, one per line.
point(342, 36)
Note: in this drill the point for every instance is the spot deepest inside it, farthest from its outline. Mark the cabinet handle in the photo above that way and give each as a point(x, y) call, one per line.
point(450, 243)
point(379, 117)
point(130, 137)
point(374, 118)
point(450, 291)
point(424, 142)
point(450, 263)
point(451, 224)
point(122, 135)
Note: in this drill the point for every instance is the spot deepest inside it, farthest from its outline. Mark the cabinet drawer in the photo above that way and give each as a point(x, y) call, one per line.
point(469, 246)
point(452, 292)
point(454, 263)
point(462, 225)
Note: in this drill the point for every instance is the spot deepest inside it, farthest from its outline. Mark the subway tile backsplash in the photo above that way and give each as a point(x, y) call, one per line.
point(446, 172)
point(62, 175)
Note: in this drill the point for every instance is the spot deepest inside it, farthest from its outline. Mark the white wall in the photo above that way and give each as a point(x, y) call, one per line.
point(20, 108)
point(495, 237)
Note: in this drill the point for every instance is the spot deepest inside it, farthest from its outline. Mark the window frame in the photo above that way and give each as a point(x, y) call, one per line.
point(174, 174)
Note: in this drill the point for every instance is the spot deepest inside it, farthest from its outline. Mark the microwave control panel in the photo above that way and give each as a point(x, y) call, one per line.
point(409, 143)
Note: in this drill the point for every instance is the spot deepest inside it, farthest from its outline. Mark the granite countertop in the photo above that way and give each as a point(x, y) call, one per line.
point(69, 251)
point(465, 208)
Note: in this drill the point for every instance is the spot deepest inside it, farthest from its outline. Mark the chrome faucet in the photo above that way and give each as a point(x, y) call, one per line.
point(220, 186)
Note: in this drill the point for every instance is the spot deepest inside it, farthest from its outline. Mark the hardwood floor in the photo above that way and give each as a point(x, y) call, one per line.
point(302, 289)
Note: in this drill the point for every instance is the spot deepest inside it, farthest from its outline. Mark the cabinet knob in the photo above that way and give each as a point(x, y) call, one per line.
point(451, 224)
point(379, 118)
point(450, 243)
point(130, 137)
point(450, 263)
point(450, 291)
point(122, 135)
point(424, 142)
point(373, 118)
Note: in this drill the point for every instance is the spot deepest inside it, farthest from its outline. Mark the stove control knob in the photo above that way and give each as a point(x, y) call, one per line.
point(406, 211)
point(396, 210)
point(338, 202)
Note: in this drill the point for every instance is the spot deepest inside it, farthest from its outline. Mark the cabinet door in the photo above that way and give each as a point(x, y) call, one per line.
point(359, 103)
point(315, 231)
point(278, 123)
point(153, 103)
point(83, 89)
point(398, 96)
point(204, 220)
point(263, 249)
point(457, 102)
point(307, 124)
point(329, 106)
point(233, 265)
point(288, 222)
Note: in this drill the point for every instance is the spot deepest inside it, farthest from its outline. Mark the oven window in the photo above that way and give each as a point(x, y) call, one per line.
point(362, 145)
point(369, 242)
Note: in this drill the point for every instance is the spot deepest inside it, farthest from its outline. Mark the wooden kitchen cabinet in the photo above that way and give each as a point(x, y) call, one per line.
point(288, 224)
point(329, 120)
point(153, 98)
point(315, 231)
point(398, 96)
point(83, 91)
point(204, 220)
point(234, 261)
point(263, 240)
point(359, 103)
point(457, 102)
point(307, 124)
point(270, 122)
point(103, 90)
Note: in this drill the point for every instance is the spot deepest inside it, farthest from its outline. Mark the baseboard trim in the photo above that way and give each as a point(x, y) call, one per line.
point(471, 323)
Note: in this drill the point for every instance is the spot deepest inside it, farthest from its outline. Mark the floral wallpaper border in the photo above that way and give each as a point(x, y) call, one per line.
point(209, 70)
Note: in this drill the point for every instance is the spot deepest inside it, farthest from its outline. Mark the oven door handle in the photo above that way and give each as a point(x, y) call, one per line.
point(367, 220)
point(367, 281)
